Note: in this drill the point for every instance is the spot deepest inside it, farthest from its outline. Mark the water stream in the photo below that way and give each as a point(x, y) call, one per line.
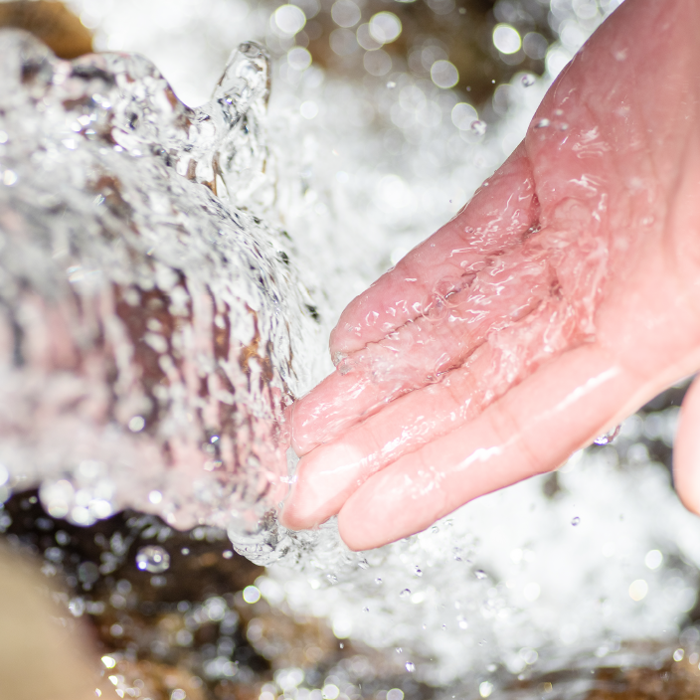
point(238, 230)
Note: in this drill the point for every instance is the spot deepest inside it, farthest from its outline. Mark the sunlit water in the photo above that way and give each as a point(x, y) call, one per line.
point(318, 195)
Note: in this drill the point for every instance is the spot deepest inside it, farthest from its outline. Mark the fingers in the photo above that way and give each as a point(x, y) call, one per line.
point(686, 450)
point(510, 288)
point(532, 429)
point(498, 217)
point(328, 475)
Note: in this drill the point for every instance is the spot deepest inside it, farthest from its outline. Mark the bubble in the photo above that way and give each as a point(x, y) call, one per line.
point(9, 178)
point(137, 424)
point(76, 606)
point(678, 654)
point(506, 39)
point(653, 559)
point(478, 127)
point(608, 437)
point(155, 497)
point(377, 62)
point(575, 520)
point(153, 559)
point(485, 689)
point(308, 109)
point(463, 116)
point(57, 497)
point(251, 594)
point(417, 571)
point(343, 42)
point(638, 589)
point(4, 474)
point(289, 19)
point(410, 666)
point(385, 27)
point(444, 74)
point(363, 564)
point(378, 580)
point(391, 84)
point(405, 593)
point(528, 80)
point(345, 13)
point(299, 58)
point(535, 46)
point(330, 691)
point(480, 574)
point(395, 694)
point(365, 39)
point(542, 124)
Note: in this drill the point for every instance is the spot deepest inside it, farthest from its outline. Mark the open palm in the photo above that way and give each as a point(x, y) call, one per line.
point(563, 297)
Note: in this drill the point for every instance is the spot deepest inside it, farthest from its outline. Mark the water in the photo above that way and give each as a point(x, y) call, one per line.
point(140, 290)
point(504, 588)
point(153, 559)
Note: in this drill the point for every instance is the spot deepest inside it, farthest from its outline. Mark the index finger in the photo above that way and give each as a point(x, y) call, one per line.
point(496, 219)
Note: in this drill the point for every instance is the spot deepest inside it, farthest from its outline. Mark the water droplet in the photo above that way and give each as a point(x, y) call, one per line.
point(152, 558)
point(405, 593)
point(417, 571)
point(542, 124)
point(399, 650)
point(332, 578)
point(391, 84)
point(575, 521)
point(478, 127)
point(410, 666)
point(528, 79)
point(608, 437)
point(480, 574)
point(485, 689)
point(378, 580)
point(363, 564)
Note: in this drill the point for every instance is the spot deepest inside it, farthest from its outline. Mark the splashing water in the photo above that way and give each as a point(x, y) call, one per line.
point(148, 322)
point(608, 437)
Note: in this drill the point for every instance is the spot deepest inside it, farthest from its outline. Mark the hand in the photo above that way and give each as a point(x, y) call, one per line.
point(563, 297)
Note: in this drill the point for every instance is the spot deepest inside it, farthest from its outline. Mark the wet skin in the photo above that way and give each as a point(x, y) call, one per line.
point(563, 297)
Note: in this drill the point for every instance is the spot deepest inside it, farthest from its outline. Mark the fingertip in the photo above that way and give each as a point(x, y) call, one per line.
point(325, 478)
point(386, 508)
point(686, 451)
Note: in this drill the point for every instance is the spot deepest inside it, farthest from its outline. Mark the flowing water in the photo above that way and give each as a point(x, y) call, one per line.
point(238, 230)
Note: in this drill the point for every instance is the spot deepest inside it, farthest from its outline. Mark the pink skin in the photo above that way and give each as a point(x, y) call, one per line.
point(563, 297)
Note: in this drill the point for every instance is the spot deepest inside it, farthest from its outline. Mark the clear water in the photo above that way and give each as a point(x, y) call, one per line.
point(149, 321)
point(356, 173)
